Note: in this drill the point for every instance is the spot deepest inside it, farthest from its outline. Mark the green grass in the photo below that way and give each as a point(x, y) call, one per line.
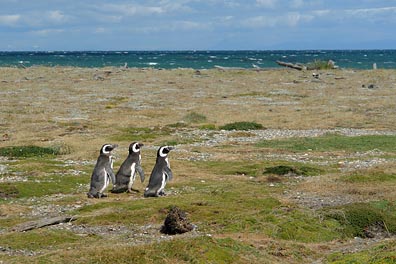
point(242, 126)
point(333, 142)
point(194, 250)
point(142, 134)
point(319, 65)
point(383, 253)
point(29, 151)
point(194, 117)
point(40, 239)
point(358, 217)
point(368, 177)
point(256, 169)
point(298, 169)
point(41, 186)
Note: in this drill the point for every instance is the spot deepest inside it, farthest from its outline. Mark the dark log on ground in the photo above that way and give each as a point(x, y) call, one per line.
point(291, 65)
point(43, 222)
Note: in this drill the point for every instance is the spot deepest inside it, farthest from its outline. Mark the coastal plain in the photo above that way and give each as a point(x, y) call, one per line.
point(314, 181)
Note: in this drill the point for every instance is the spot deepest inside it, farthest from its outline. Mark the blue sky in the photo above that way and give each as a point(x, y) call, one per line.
point(197, 24)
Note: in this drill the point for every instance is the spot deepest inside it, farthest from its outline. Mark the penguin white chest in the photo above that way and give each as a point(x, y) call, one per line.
point(163, 183)
point(106, 181)
point(132, 178)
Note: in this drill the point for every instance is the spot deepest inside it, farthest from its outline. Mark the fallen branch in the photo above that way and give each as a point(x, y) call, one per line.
point(291, 65)
point(43, 222)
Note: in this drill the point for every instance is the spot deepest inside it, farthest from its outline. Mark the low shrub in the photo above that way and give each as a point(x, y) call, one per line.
point(242, 126)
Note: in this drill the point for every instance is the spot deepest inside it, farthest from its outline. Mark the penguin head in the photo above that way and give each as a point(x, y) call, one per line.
point(163, 151)
point(107, 148)
point(135, 147)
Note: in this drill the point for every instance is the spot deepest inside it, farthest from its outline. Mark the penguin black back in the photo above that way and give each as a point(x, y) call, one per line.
point(102, 173)
point(127, 172)
point(160, 174)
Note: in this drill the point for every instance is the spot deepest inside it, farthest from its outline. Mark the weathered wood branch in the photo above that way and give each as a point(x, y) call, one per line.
point(291, 65)
point(43, 222)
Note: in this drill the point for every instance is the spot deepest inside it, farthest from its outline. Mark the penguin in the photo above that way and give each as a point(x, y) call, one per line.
point(127, 172)
point(160, 175)
point(102, 173)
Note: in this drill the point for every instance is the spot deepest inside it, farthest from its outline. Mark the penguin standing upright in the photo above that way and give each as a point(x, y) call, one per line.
point(102, 173)
point(160, 175)
point(127, 172)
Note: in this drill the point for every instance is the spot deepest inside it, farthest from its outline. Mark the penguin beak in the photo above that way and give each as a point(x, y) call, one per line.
point(170, 147)
point(140, 145)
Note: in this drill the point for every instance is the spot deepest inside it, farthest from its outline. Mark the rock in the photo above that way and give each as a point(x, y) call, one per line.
point(176, 222)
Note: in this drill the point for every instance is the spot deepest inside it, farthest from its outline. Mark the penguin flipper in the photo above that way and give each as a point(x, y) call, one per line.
point(110, 173)
point(141, 172)
point(168, 173)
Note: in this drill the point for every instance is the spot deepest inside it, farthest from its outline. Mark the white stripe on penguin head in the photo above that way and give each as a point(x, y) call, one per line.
point(104, 149)
point(135, 147)
point(161, 152)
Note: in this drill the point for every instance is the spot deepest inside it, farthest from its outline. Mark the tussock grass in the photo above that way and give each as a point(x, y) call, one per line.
point(333, 142)
point(357, 218)
point(381, 253)
point(194, 117)
point(29, 151)
point(242, 126)
point(142, 134)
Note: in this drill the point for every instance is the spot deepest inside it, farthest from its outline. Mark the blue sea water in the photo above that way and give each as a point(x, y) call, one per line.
point(356, 59)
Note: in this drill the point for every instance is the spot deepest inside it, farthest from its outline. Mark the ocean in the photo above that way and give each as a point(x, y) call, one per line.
point(354, 59)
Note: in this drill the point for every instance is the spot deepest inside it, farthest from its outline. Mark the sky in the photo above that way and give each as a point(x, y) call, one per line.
point(69, 25)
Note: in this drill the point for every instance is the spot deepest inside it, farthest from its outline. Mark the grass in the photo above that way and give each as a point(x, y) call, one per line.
point(29, 151)
point(381, 253)
point(245, 208)
point(194, 117)
point(357, 218)
point(319, 65)
point(242, 126)
point(333, 142)
point(142, 134)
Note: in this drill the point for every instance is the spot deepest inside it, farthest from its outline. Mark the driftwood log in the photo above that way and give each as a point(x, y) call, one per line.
point(43, 222)
point(299, 67)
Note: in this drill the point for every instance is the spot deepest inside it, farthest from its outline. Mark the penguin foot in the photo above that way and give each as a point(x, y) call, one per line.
point(118, 190)
point(133, 190)
point(97, 195)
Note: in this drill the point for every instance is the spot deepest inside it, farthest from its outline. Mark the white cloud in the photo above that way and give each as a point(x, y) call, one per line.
point(371, 11)
point(139, 10)
point(46, 32)
point(297, 3)
point(57, 16)
point(9, 20)
point(267, 3)
point(291, 19)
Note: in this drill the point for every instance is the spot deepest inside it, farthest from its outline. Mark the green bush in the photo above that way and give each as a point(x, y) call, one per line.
point(358, 218)
point(194, 117)
point(242, 126)
point(29, 151)
point(296, 170)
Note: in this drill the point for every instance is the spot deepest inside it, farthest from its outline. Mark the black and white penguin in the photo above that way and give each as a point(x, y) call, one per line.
point(127, 172)
point(102, 173)
point(160, 175)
